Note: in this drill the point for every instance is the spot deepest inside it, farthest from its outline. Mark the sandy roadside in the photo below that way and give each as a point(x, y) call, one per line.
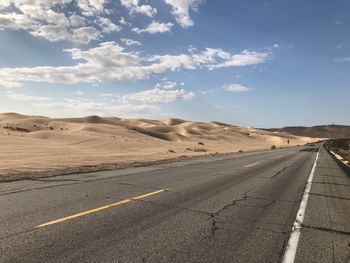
point(35, 146)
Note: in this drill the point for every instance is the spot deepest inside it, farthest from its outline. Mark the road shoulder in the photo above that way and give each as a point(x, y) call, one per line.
point(325, 234)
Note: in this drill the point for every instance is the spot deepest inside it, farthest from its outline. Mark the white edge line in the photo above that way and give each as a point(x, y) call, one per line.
point(292, 246)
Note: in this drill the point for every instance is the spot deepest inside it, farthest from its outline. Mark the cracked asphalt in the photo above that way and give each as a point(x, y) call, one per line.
point(214, 209)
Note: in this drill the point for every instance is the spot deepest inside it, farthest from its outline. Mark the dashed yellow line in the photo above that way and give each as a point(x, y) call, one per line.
point(98, 209)
point(252, 164)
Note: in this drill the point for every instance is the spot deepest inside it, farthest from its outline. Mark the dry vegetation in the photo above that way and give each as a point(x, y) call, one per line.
point(341, 147)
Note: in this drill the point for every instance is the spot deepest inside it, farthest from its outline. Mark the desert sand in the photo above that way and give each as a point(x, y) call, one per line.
point(36, 146)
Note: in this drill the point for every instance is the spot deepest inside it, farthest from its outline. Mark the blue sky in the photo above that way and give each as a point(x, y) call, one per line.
point(252, 62)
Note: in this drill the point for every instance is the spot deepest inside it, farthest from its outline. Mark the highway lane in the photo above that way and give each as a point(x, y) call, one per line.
point(235, 208)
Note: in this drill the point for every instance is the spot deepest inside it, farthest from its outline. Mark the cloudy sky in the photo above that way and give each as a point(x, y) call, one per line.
point(247, 62)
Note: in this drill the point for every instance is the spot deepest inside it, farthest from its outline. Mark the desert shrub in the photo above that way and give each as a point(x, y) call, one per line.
point(200, 149)
point(171, 151)
point(273, 147)
point(241, 151)
point(200, 143)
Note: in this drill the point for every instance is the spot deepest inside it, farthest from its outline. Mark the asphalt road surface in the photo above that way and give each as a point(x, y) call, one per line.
point(234, 208)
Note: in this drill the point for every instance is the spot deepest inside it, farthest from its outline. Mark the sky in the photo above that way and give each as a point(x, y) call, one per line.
point(247, 62)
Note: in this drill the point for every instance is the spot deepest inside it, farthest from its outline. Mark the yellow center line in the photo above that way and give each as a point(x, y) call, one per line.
point(252, 164)
point(100, 208)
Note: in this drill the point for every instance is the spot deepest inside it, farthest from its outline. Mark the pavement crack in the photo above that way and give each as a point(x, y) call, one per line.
point(280, 171)
point(74, 182)
point(261, 222)
point(175, 207)
point(18, 233)
point(341, 232)
point(213, 226)
point(269, 204)
point(145, 259)
point(232, 203)
point(327, 168)
point(38, 188)
point(214, 216)
point(256, 206)
point(139, 186)
point(331, 183)
point(273, 231)
point(54, 180)
point(272, 200)
point(330, 196)
point(328, 175)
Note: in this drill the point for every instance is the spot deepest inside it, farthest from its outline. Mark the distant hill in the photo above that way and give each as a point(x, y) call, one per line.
point(322, 131)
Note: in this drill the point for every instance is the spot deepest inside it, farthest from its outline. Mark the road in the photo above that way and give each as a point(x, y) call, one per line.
point(233, 208)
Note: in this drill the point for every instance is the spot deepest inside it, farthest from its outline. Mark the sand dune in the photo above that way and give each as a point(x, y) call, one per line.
point(34, 145)
point(325, 131)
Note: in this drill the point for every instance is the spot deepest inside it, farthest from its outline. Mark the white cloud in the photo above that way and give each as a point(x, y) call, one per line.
point(243, 59)
point(107, 95)
point(24, 97)
point(141, 109)
point(154, 27)
point(236, 88)
point(162, 63)
point(84, 35)
point(47, 19)
point(4, 4)
point(122, 21)
point(181, 9)
point(53, 20)
point(157, 95)
point(110, 62)
point(169, 85)
point(77, 21)
point(102, 64)
point(90, 106)
point(8, 84)
point(210, 58)
point(210, 55)
point(91, 7)
point(15, 21)
point(206, 92)
point(78, 93)
point(130, 42)
point(222, 107)
point(343, 59)
point(134, 7)
point(81, 104)
point(107, 25)
point(52, 17)
point(81, 35)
